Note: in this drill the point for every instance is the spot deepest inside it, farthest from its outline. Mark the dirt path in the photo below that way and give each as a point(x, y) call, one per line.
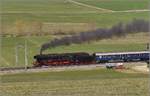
point(101, 11)
point(128, 11)
point(143, 69)
point(44, 12)
point(107, 10)
point(90, 6)
point(55, 69)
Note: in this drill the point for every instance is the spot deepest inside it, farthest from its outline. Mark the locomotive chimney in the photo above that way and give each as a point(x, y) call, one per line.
point(41, 52)
point(147, 46)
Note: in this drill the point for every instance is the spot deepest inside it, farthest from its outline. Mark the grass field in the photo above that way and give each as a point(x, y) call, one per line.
point(66, 5)
point(63, 11)
point(117, 5)
point(75, 83)
point(103, 20)
point(50, 6)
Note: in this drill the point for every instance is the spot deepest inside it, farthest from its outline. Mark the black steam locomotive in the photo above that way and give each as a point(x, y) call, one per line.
point(63, 59)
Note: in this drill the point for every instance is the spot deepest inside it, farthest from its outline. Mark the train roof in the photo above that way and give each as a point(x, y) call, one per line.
point(53, 54)
point(60, 54)
point(119, 53)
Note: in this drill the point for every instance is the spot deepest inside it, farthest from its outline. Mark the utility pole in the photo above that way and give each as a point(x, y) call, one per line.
point(25, 55)
point(16, 51)
point(147, 46)
point(0, 46)
point(1, 32)
point(149, 58)
point(149, 61)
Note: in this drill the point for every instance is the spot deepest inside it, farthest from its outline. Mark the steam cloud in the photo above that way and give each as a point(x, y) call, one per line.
point(117, 30)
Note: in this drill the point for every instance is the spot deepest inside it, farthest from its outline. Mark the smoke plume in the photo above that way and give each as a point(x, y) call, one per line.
point(117, 30)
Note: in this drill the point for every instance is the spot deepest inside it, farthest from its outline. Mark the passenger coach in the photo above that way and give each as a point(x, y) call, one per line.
point(122, 57)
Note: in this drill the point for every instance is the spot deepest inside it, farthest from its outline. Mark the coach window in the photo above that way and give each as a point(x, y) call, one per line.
point(110, 56)
point(125, 55)
point(100, 56)
point(121, 55)
point(104, 56)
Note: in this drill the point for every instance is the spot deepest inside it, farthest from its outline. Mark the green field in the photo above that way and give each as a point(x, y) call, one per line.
point(63, 11)
point(75, 83)
point(50, 6)
point(102, 20)
point(65, 5)
point(118, 5)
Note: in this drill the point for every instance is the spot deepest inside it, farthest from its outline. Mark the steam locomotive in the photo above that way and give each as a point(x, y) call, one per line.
point(83, 58)
point(63, 59)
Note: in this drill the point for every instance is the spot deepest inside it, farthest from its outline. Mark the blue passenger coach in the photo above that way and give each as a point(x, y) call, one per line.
point(142, 56)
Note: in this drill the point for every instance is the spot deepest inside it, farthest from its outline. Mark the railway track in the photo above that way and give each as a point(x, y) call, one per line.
point(15, 68)
point(12, 70)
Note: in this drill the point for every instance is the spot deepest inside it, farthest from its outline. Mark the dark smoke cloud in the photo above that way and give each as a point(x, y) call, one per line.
point(117, 30)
